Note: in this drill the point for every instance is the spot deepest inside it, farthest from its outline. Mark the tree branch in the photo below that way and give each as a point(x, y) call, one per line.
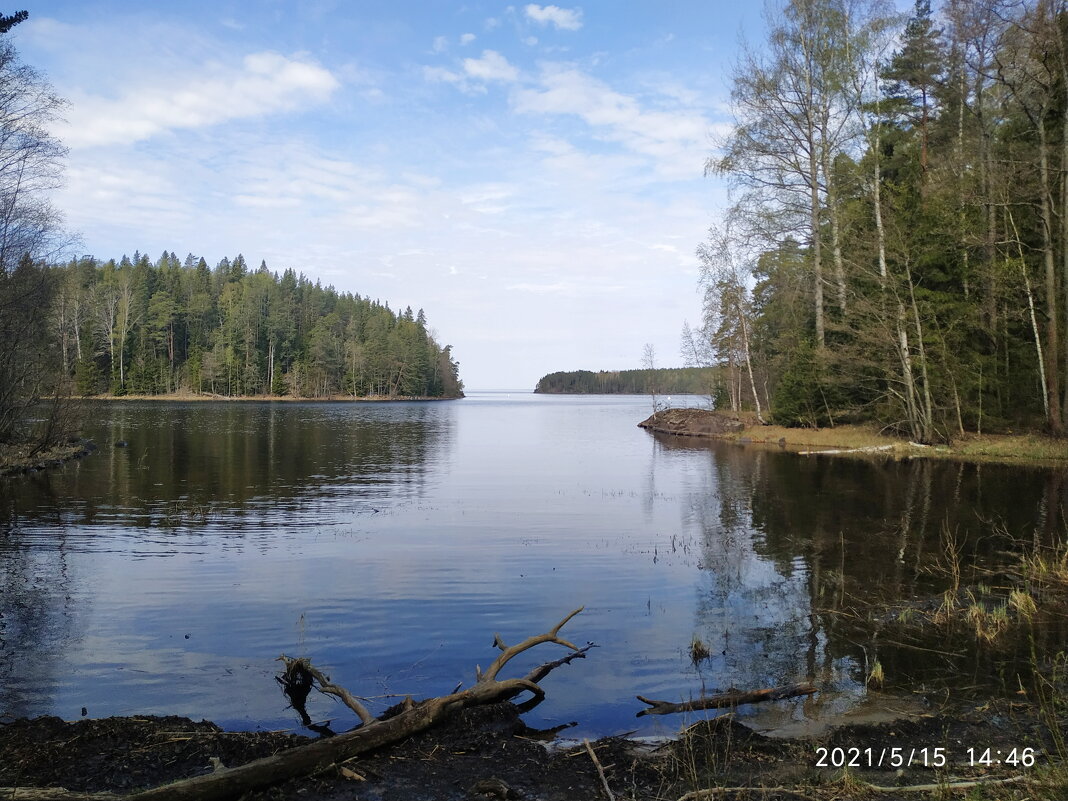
point(731, 698)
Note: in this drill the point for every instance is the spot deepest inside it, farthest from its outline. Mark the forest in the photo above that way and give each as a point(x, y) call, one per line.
point(86, 327)
point(664, 380)
point(144, 328)
point(896, 247)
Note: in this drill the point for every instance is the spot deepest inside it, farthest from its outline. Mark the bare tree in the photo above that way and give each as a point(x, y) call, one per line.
point(795, 113)
point(727, 307)
point(652, 383)
point(30, 162)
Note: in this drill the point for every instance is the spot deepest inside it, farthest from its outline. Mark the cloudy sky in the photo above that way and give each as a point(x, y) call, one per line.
point(530, 175)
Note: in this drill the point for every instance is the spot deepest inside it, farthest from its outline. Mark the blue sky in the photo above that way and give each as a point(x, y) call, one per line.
point(531, 175)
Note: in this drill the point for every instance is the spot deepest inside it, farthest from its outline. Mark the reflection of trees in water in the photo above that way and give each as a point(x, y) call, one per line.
point(37, 621)
point(186, 462)
point(789, 541)
point(751, 613)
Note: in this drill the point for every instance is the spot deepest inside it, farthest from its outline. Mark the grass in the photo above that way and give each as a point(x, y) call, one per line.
point(973, 447)
point(876, 676)
point(1027, 447)
point(698, 650)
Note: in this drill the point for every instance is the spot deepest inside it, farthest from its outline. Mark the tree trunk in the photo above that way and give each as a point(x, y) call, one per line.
point(1051, 382)
point(727, 700)
point(817, 254)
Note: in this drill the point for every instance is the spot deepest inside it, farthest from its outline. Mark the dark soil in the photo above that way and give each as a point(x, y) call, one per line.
point(16, 459)
point(488, 753)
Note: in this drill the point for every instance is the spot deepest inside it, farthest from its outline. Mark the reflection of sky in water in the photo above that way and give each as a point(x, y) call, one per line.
point(389, 543)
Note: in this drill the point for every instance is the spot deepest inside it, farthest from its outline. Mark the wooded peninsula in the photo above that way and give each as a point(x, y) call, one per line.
point(149, 328)
point(896, 250)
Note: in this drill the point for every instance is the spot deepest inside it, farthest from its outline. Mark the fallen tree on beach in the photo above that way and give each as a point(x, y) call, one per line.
point(402, 721)
point(394, 725)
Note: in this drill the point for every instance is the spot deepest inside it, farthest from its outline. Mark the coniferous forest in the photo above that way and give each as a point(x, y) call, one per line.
point(138, 327)
point(144, 328)
point(897, 245)
point(664, 380)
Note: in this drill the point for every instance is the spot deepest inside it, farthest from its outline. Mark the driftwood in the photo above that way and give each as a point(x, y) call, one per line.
point(415, 716)
point(869, 449)
point(731, 698)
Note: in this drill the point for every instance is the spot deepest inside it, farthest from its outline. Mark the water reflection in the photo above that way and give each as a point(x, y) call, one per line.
point(389, 542)
point(172, 464)
point(798, 551)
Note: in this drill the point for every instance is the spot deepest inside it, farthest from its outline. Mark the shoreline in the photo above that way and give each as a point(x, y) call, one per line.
point(488, 752)
point(206, 398)
point(15, 460)
point(856, 440)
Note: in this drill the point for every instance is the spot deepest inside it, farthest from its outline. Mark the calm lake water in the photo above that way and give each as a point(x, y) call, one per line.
point(388, 542)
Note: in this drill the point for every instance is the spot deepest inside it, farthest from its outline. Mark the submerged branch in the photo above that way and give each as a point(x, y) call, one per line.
point(731, 698)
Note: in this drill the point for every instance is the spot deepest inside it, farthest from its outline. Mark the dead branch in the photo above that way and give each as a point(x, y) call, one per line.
point(540, 672)
point(319, 755)
point(509, 653)
point(293, 676)
point(731, 698)
point(600, 770)
point(869, 449)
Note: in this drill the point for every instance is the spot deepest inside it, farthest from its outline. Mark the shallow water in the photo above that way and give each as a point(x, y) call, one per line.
point(389, 542)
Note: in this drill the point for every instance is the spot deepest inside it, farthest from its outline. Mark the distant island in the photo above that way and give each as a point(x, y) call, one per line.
point(663, 381)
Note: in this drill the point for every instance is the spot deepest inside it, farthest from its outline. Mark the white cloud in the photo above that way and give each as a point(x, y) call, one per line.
point(568, 19)
point(264, 83)
point(677, 140)
point(467, 38)
point(442, 75)
point(491, 67)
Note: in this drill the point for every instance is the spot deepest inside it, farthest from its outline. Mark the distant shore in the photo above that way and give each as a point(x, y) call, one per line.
point(1029, 448)
point(201, 397)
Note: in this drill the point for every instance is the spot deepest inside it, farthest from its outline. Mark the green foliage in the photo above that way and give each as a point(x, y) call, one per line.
point(668, 381)
point(803, 397)
point(900, 219)
point(9, 21)
point(158, 328)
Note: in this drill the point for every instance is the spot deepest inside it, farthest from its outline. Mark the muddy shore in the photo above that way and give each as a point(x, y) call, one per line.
point(488, 753)
point(19, 459)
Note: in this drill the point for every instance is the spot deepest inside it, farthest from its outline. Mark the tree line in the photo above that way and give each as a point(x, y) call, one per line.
point(135, 326)
point(896, 248)
point(667, 380)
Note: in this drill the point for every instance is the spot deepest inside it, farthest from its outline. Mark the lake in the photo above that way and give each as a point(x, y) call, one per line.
point(388, 542)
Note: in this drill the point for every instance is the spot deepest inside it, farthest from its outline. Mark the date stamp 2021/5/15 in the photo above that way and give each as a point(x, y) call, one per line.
point(894, 757)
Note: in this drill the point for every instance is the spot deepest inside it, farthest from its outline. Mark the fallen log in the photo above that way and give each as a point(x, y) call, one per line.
point(414, 717)
point(869, 449)
point(727, 700)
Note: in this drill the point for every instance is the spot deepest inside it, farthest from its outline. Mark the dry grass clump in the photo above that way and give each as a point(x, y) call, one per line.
point(1046, 568)
point(698, 650)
